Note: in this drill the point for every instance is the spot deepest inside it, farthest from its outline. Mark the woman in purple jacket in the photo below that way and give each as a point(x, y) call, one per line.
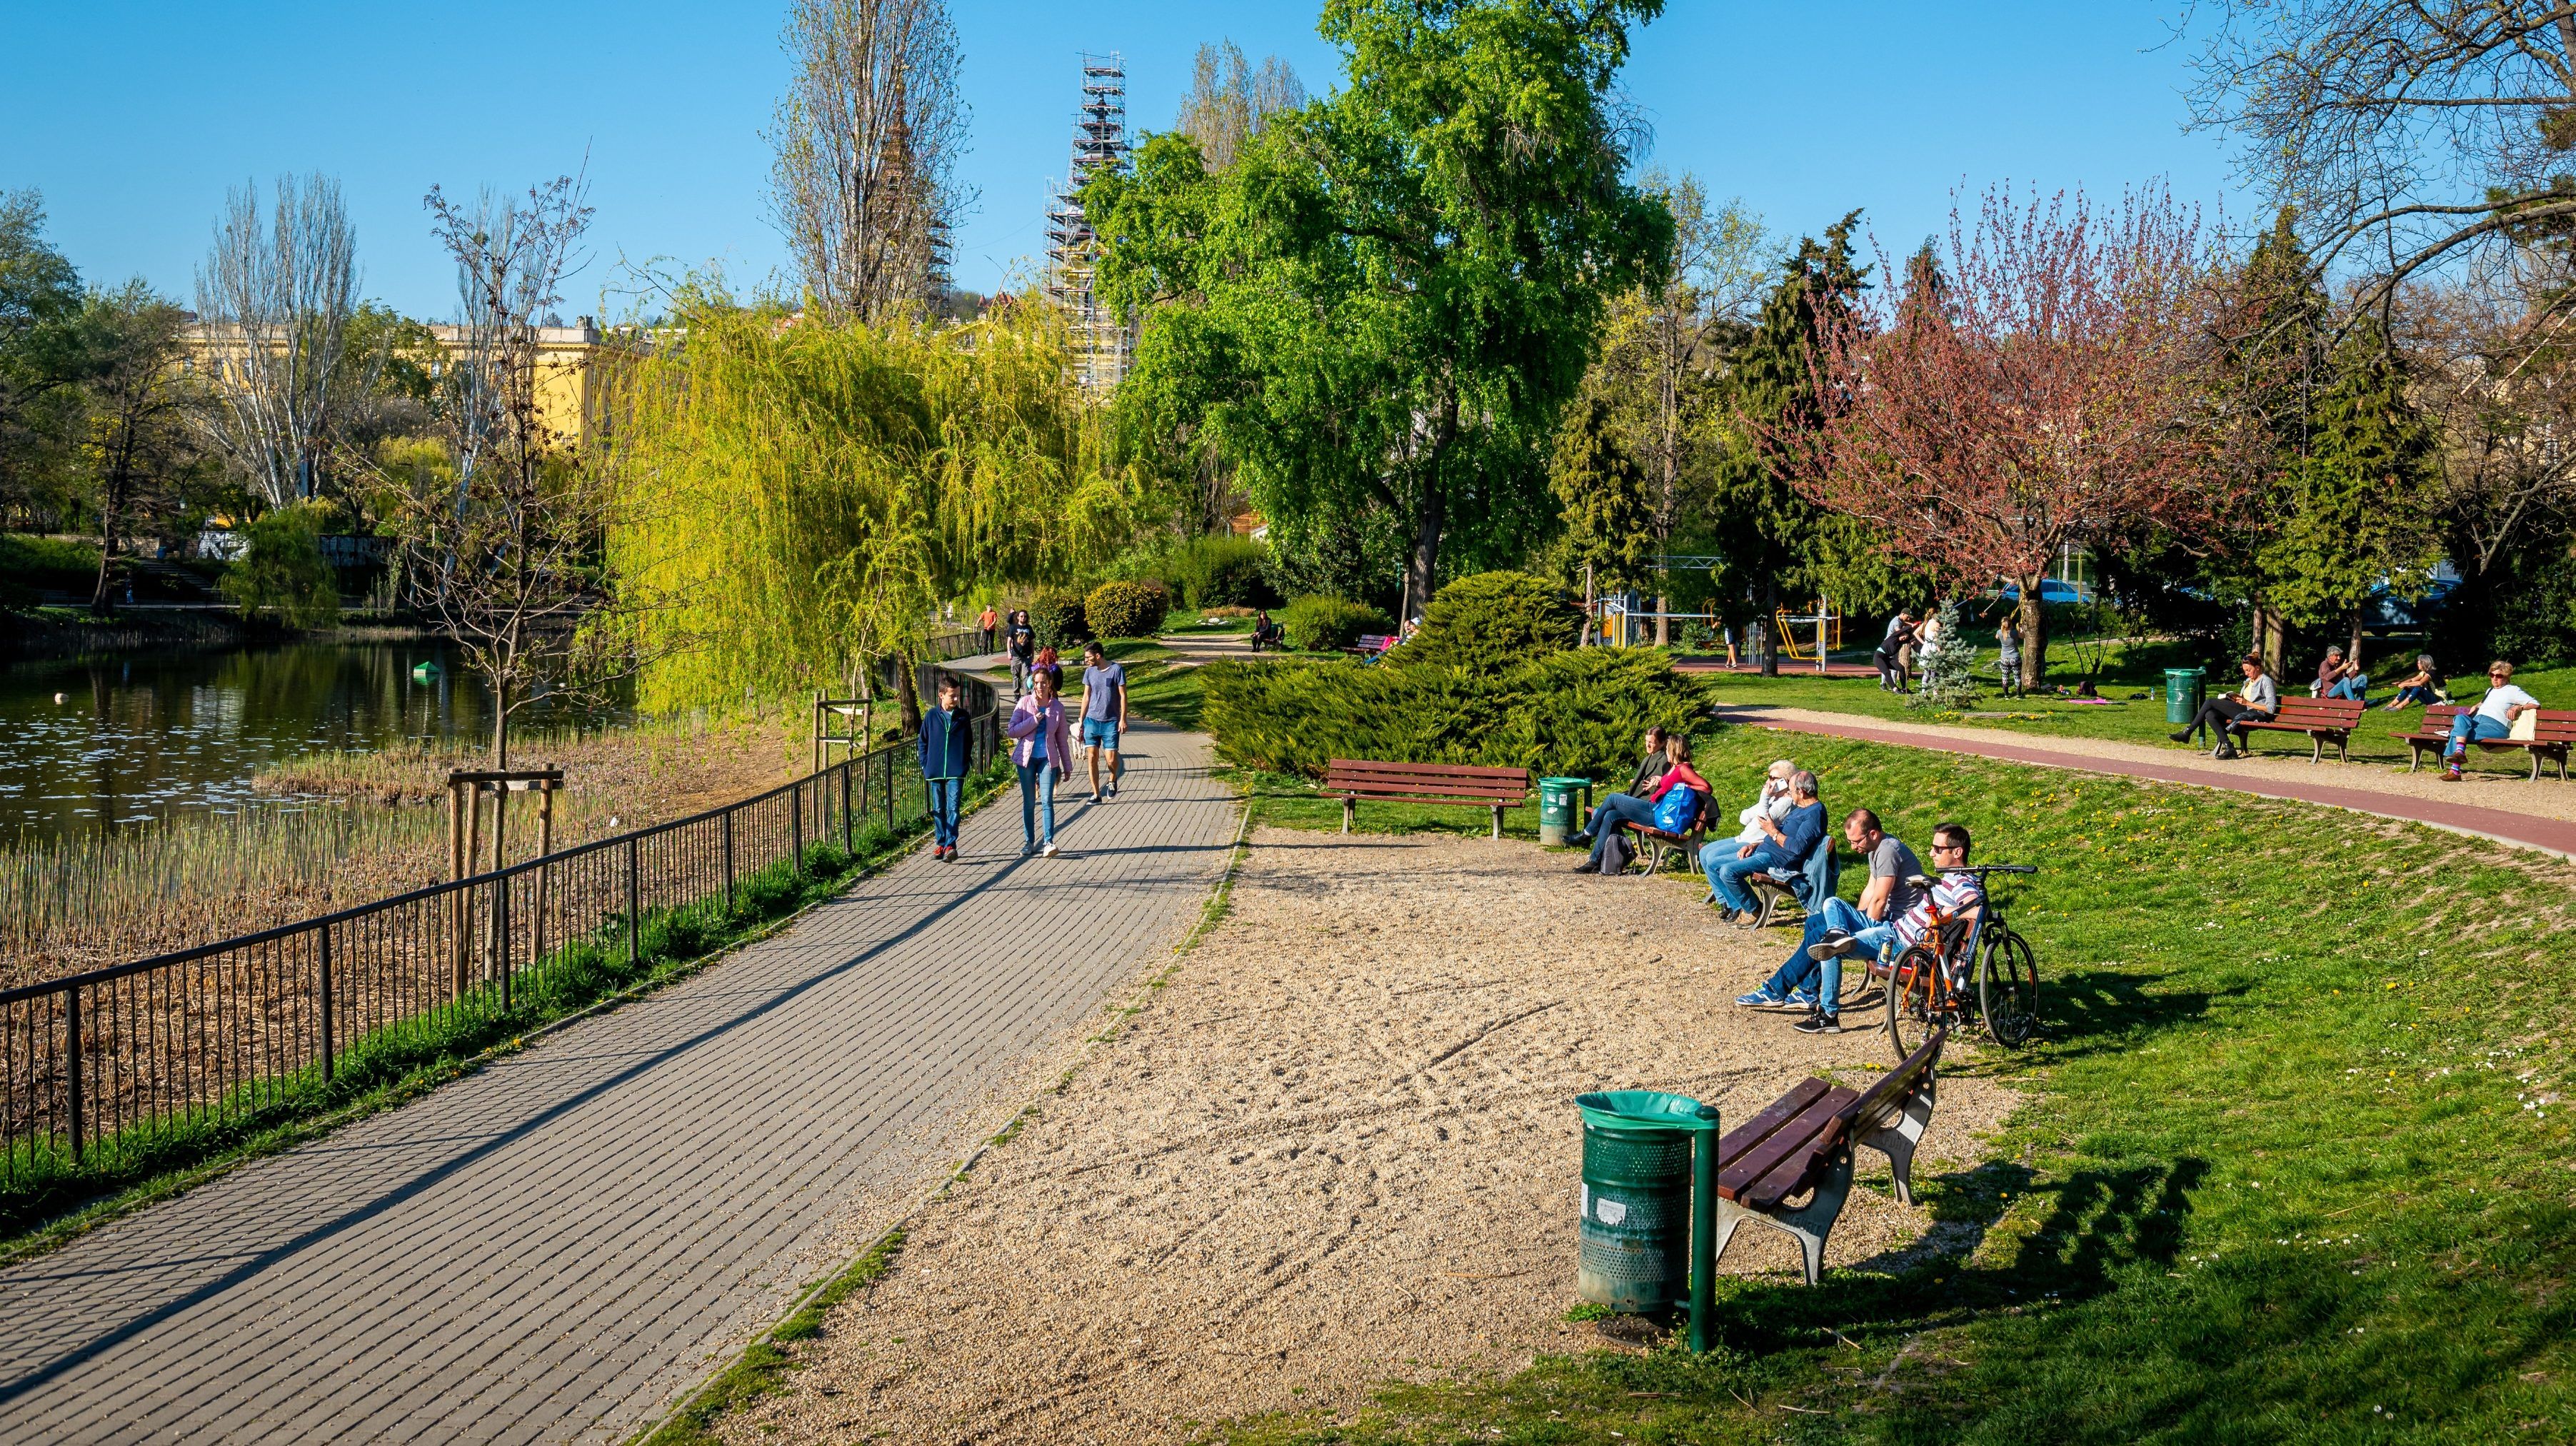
point(1041, 747)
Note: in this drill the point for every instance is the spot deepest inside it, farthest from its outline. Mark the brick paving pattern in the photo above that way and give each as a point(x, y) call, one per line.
point(557, 1247)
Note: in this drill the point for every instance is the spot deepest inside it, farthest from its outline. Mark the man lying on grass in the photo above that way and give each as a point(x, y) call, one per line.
point(1813, 975)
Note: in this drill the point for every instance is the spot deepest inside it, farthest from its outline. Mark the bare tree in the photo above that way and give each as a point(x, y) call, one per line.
point(284, 285)
point(2495, 365)
point(868, 137)
point(1229, 102)
point(2406, 132)
point(513, 547)
point(139, 401)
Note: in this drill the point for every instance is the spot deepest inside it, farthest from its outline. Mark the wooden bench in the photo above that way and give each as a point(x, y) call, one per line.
point(2319, 718)
point(1802, 1145)
point(1352, 779)
point(2551, 737)
point(1370, 645)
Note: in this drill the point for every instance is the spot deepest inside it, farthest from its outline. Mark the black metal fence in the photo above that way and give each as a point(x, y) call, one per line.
point(116, 1058)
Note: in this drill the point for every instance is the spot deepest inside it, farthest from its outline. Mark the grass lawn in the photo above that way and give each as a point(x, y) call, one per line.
point(2295, 1163)
point(2126, 718)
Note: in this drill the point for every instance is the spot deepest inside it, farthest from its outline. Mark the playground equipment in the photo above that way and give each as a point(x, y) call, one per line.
point(1823, 631)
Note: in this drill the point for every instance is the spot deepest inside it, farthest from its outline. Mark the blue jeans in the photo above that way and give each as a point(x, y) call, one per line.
point(1726, 873)
point(947, 795)
point(1037, 799)
point(2352, 688)
point(1827, 977)
point(2471, 727)
point(2409, 696)
point(1613, 811)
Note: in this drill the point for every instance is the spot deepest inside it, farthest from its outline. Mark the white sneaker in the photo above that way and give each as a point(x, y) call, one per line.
point(1050, 850)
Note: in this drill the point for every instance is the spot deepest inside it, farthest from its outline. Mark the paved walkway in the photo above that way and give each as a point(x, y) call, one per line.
point(2521, 824)
point(557, 1247)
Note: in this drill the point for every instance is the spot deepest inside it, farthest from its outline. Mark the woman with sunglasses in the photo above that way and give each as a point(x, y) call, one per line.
point(2492, 718)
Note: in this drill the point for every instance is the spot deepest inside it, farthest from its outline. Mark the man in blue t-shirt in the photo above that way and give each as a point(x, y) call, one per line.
point(1104, 712)
point(1784, 849)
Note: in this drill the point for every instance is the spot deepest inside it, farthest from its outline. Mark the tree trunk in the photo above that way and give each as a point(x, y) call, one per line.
point(1663, 624)
point(2352, 648)
point(2034, 632)
point(909, 693)
point(100, 604)
point(1422, 564)
point(1770, 632)
point(2271, 640)
point(500, 722)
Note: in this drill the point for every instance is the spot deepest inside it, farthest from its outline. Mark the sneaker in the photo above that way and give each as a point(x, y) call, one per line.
point(1095, 798)
point(1820, 1024)
point(1761, 999)
point(1835, 943)
point(1802, 998)
point(1049, 850)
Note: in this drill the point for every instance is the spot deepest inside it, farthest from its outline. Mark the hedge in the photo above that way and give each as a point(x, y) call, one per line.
point(1058, 619)
point(1494, 620)
point(1323, 624)
point(1574, 713)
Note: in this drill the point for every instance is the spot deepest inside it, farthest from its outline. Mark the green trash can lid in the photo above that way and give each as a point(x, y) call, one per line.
point(1644, 1109)
point(2182, 672)
point(1567, 782)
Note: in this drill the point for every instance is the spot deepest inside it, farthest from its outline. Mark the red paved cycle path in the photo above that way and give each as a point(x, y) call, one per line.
point(2549, 835)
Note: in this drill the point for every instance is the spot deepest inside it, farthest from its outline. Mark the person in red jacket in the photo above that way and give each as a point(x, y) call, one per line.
point(1629, 808)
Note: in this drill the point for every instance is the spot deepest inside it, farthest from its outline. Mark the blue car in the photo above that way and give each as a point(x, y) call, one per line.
point(2051, 590)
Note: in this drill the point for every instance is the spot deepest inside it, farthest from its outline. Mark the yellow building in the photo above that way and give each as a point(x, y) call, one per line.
point(577, 366)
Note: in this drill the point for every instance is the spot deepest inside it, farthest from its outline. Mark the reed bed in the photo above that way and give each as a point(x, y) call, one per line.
point(348, 828)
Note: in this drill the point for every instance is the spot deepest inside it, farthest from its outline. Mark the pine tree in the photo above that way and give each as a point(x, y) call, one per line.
point(1609, 498)
point(2361, 507)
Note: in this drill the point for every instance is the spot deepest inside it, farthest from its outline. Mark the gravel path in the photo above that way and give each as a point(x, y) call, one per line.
point(1336, 1146)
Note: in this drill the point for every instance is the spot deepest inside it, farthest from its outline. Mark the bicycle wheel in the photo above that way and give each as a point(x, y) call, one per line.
point(1909, 1001)
point(2008, 989)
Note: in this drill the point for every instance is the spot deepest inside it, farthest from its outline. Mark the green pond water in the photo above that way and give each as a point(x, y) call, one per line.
point(100, 743)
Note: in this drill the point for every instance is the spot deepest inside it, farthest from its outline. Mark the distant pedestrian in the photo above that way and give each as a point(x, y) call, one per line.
point(1037, 725)
point(1895, 651)
point(1023, 647)
point(1104, 712)
point(985, 623)
point(2008, 666)
point(1050, 663)
point(945, 735)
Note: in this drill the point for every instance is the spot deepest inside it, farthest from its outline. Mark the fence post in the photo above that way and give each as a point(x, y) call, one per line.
point(325, 932)
point(501, 922)
point(727, 816)
point(634, 902)
point(796, 823)
point(889, 792)
point(849, 825)
point(72, 1038)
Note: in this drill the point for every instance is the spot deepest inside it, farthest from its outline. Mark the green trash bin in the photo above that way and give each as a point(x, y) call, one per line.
point(1639, 1233)
point(2182, 695)
point(1560, 806)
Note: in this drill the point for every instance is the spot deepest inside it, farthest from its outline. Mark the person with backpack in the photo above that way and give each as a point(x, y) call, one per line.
point(1041, 744)
point(945, 744)
point(1785, 847)
point(1679, 793)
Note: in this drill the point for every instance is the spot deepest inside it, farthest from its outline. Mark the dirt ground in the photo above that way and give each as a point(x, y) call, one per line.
point(1337, 1146)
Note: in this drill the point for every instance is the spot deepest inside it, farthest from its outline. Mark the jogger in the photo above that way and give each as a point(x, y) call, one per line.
point(944, 754)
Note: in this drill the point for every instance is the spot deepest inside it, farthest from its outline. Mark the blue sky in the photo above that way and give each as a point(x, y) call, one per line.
point(133, 116)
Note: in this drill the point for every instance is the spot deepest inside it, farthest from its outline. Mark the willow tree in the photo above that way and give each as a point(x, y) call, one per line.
point(801, 493)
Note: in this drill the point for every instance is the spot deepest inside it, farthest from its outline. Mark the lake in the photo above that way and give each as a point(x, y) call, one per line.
point(139, 738)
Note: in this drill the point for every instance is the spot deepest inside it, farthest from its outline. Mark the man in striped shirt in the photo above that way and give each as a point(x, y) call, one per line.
point(1958, 897)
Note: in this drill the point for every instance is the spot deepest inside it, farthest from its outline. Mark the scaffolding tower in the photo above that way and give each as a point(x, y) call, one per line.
point(1101, 345)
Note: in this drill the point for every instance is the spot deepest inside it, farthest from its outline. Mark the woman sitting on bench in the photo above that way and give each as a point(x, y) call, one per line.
point(1628, 808)
point(2259, 699)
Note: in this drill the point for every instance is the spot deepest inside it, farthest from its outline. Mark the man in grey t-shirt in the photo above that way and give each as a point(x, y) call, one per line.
point(1884, 900)
point(1104, 712)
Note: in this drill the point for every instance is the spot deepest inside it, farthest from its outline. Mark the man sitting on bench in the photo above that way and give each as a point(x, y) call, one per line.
point(1892, 911)
point(1783, 851)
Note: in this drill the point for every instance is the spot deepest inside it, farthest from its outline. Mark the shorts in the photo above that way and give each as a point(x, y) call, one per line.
point(1100, 733)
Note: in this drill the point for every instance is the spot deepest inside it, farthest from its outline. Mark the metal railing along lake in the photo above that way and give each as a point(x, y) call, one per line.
point(113, 1060)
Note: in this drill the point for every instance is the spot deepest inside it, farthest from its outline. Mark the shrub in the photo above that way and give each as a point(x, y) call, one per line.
point(285, 570)
point(1221, 571)
point(1059, 619)
point(1126, 609)
point(1494, 620)
point(1573, 713)
point(1321, 624)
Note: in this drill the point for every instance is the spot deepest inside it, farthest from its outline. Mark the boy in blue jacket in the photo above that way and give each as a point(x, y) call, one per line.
point(945, 734)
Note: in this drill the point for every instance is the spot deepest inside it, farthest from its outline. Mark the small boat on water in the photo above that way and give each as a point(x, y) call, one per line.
point(424, 672)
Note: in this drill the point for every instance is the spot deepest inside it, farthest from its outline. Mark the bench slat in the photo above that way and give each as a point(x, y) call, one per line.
point(1460, 770)
point(1795, 1144)
point(1428, 790)
point(1889, 1094)
point(1453, 782)
point(1775, 1114)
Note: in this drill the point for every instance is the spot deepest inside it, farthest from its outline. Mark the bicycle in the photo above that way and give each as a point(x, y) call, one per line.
point(1921, 997)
